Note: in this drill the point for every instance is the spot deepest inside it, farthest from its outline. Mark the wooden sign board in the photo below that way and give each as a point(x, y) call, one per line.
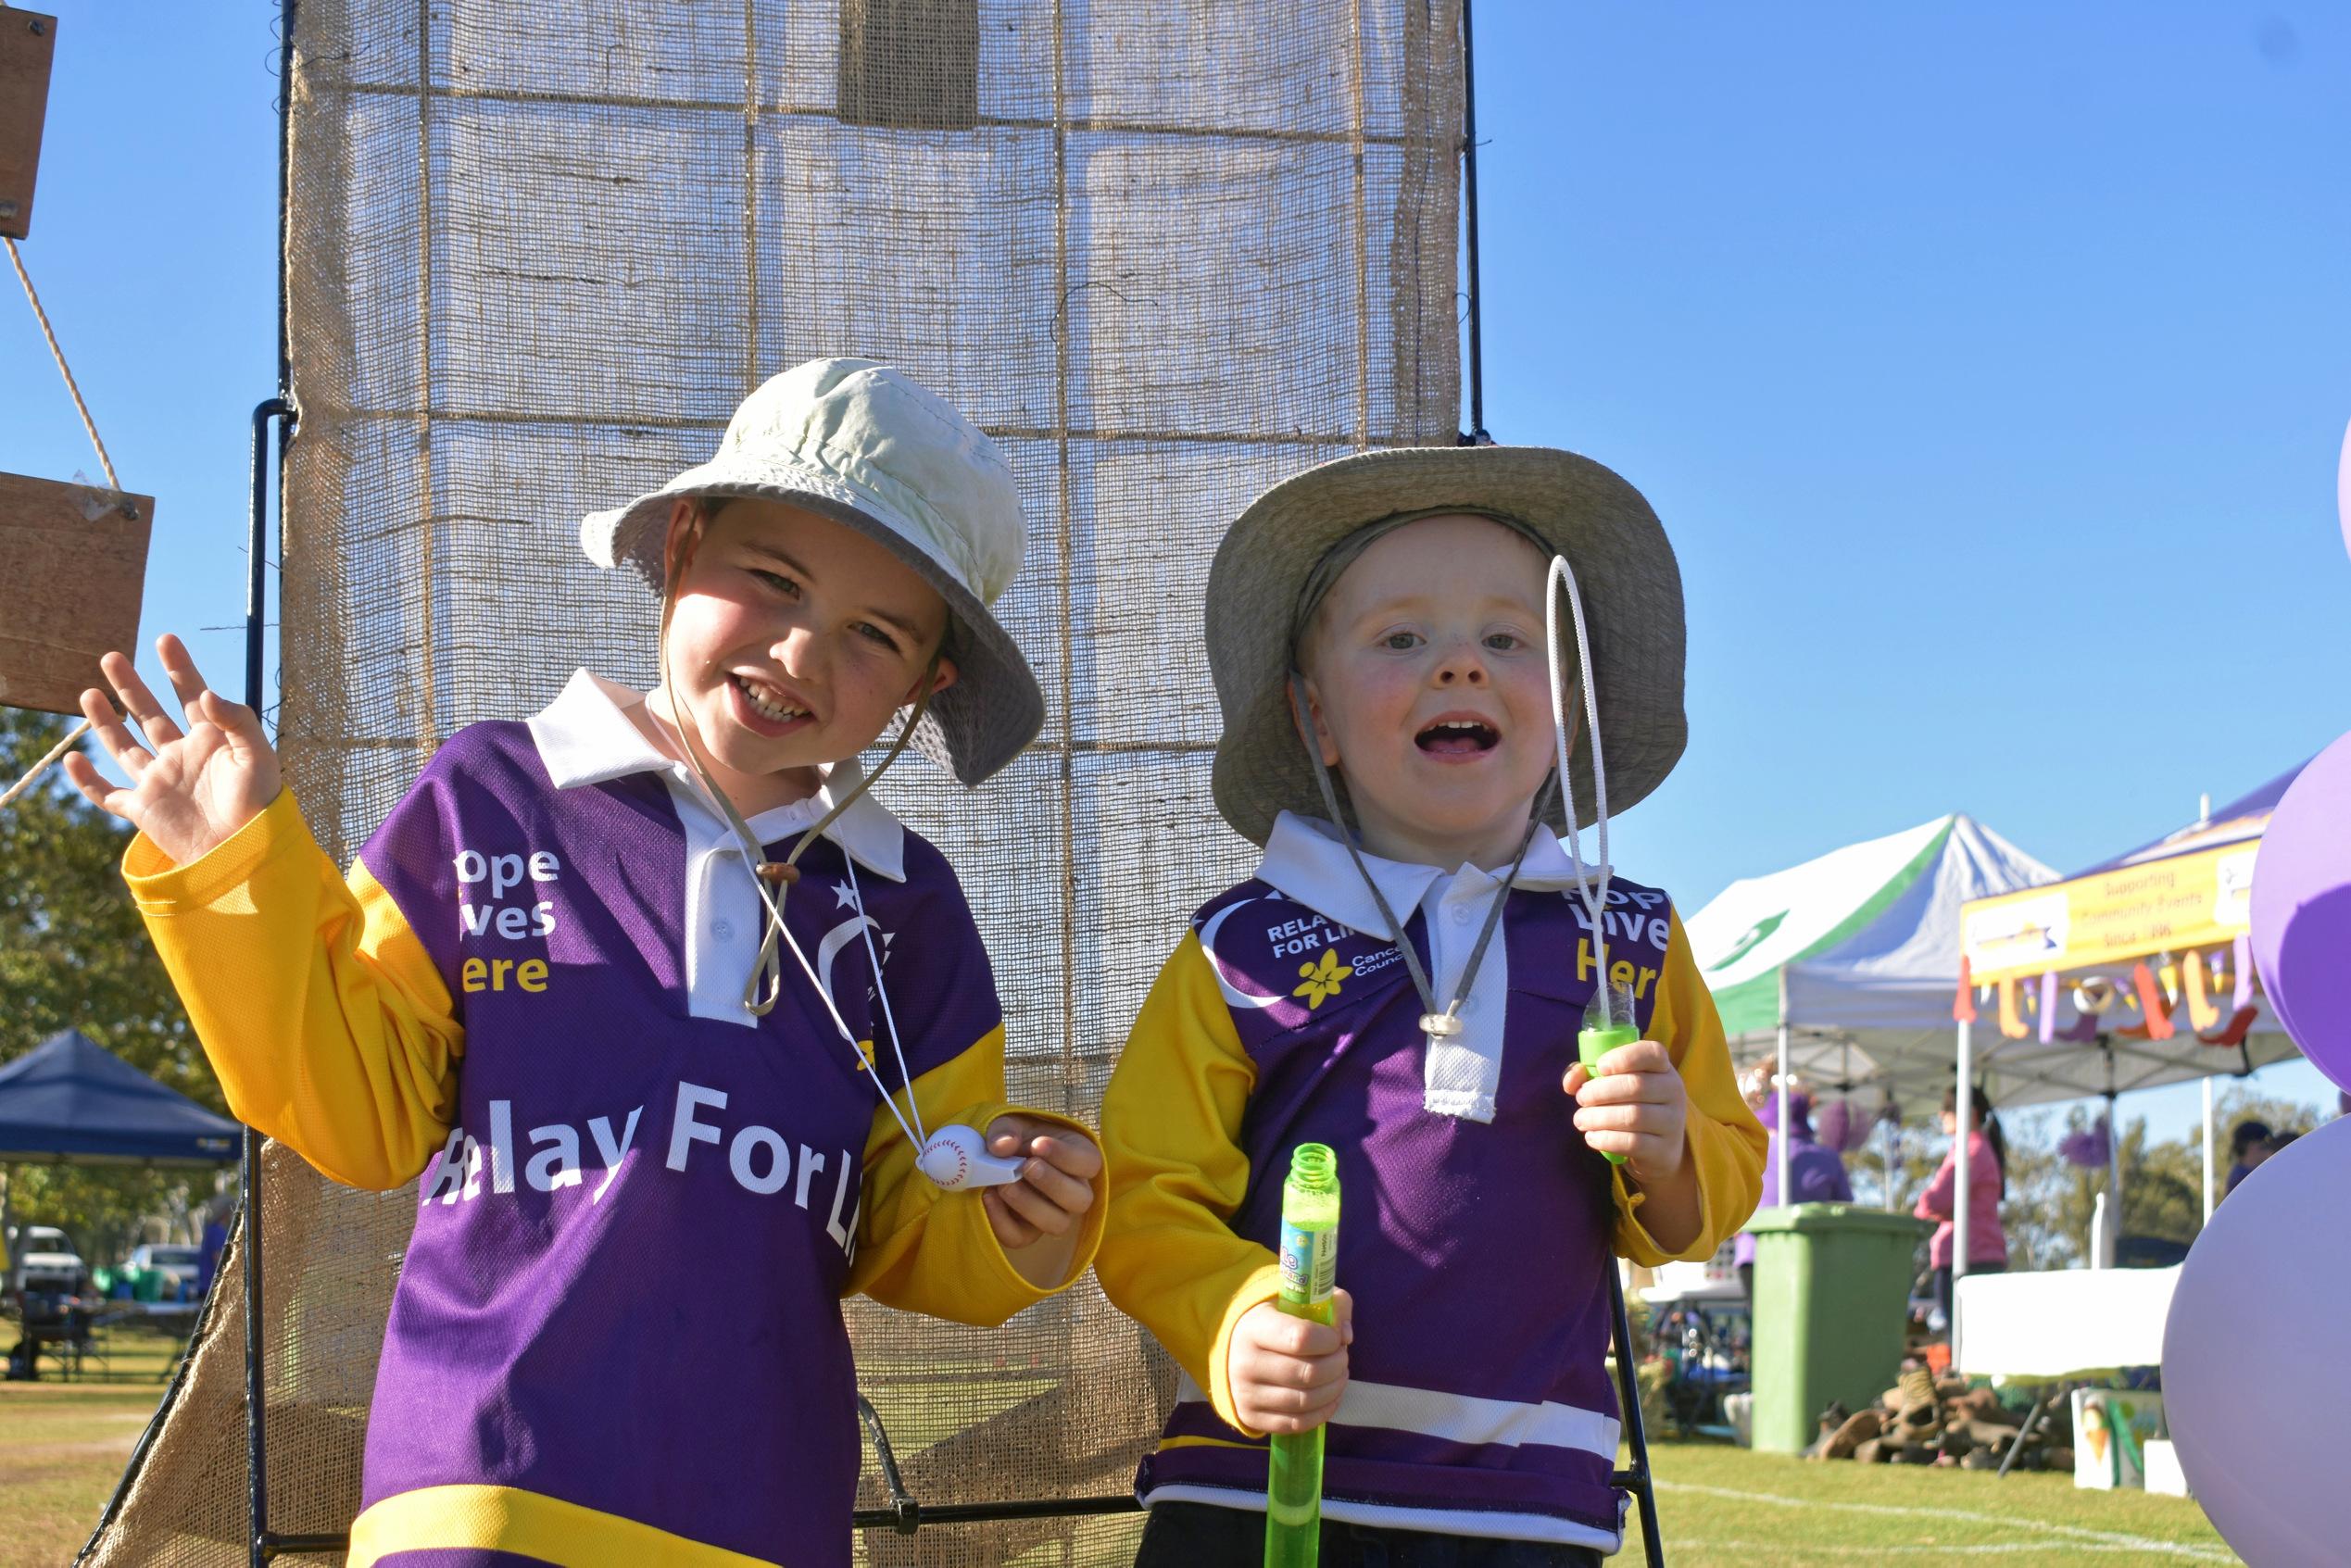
point(73, 561)
point(28, 42)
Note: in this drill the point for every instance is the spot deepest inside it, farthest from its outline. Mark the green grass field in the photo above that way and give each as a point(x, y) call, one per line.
point(63, 1447)
point(1720, 1506)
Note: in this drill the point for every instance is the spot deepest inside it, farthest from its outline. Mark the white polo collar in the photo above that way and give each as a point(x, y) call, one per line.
point(1305, 859)
point(585, 737)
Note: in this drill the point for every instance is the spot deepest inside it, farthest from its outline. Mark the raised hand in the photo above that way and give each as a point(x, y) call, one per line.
point(190, 790)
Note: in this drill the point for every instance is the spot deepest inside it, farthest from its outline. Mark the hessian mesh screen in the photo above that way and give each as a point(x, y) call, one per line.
point(1166, 252)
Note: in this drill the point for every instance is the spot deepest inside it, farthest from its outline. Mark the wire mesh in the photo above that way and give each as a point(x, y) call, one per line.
point(1166, 252)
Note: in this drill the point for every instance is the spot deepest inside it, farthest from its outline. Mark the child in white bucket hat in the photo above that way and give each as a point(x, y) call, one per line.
point(1405, 980)
point(667, 1116)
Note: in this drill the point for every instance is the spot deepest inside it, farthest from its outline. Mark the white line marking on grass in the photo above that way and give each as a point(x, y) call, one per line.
point(1987, 1549)
point(2105, 1539)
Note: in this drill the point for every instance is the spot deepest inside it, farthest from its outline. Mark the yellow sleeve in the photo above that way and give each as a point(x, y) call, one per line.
point(327, 1023)
point(1171, 1129)
point(1726, 1141)
point(927, 1250)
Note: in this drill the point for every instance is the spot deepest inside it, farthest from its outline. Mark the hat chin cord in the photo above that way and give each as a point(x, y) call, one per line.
point(773, 879)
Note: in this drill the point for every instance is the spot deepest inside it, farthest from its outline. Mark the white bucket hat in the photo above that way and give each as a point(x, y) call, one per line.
point(865, 446)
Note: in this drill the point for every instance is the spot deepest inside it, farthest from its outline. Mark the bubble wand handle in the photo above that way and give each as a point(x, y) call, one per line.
point(1309, 1265)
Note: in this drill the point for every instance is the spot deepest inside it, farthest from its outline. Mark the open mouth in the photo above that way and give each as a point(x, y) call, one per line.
point(766, 702)
point(1458, 737)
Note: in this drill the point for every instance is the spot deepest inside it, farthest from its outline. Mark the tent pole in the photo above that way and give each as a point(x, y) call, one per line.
point(2207, 1148)
point(1787, 1067)
point(2114, 1170)
point(1966, 1102)
point(1893, 1151)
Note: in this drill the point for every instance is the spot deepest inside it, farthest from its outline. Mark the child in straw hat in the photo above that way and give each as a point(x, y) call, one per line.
point(665, 1006)
point(1404, 979)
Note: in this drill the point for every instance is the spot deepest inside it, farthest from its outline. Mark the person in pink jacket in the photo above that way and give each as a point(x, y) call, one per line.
point(1987, 1186)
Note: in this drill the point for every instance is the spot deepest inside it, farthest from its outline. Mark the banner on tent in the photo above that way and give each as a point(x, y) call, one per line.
point(2112, 917)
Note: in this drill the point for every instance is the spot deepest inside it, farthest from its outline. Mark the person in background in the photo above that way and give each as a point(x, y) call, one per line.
point(1816, 1174)
point(216, 1237)
point(2248, 1146)
point(1987, 1186)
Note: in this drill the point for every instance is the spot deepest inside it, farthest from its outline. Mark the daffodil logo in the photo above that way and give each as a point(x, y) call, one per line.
point(1321, 979)
point(865, 1056)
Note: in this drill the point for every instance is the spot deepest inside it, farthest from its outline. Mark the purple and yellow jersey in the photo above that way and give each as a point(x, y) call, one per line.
point(1479, 1224)
point(617, 1332)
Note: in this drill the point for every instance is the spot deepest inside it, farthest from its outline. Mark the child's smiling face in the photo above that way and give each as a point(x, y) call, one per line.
point(1427, 685)
point(792, 642)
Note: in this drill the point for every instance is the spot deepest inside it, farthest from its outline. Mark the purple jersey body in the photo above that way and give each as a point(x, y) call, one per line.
point(1478, 1400)
point(623, 1286)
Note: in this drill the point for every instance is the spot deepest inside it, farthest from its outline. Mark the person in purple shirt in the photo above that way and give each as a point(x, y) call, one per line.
point(1816, 1174)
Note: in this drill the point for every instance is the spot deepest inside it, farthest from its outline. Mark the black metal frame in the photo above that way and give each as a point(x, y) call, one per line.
point(1638, 1480)
point(906, 1515)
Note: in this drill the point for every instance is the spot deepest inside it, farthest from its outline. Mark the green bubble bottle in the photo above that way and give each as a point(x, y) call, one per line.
point(1608, 1023)
point(1310, 1268)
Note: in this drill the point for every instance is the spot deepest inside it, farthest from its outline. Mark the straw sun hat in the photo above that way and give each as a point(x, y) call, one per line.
point(865, 446)
point(1631, 585)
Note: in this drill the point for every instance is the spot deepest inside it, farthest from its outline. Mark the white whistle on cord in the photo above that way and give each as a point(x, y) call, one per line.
point(957, 1158)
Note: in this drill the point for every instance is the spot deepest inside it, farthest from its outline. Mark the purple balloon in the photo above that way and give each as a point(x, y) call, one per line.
point(2263, 1288)
point(2342, 487)
point(2302, 911)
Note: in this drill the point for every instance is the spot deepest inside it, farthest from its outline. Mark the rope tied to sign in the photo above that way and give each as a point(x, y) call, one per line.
point(32, 297)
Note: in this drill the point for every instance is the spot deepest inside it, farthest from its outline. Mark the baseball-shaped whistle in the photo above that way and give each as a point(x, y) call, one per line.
point(957, 1158)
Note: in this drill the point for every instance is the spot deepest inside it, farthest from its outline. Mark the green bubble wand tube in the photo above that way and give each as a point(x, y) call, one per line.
point(1608, 1023)
point(1310, 1267)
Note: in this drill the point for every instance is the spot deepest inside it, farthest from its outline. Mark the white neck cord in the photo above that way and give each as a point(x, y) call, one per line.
point(1594, 902)
point(865, 929)
point(756, 853)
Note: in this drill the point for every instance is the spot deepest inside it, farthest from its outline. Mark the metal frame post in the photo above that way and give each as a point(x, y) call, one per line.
point(277, 410)
point(2207, 1148)
point(1786, 1071)
point(1476, 436)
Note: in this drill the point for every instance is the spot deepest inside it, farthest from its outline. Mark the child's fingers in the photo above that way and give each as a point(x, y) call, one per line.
point(139, 701)
point(247, 739)
point(180, 669)
point(1640, 1057)
point(1040, 1212)
point(1640, 1148)
point(83, 775)
point(1281, 1334)
point(1012, 1135)
point(1577, 1076)
point(1298, 1388)
point(1064, 1191)
point(1069, 1152)
point(106, 724)
point(1653, 1119)
point(1660, 1085)
point(1010, 1229)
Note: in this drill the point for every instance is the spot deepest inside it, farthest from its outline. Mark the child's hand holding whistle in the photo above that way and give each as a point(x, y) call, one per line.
point(1629, 1101)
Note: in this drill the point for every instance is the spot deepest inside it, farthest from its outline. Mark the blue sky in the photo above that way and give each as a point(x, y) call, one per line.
point(1988, 364)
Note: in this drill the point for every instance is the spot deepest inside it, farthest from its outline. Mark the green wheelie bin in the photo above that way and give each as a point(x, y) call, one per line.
point(1832, 1307)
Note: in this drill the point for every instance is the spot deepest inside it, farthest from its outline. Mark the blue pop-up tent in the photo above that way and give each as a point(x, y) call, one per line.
point(70, 1099)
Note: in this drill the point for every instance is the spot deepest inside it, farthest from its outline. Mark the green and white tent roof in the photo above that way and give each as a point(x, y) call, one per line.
point(1866, 941)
